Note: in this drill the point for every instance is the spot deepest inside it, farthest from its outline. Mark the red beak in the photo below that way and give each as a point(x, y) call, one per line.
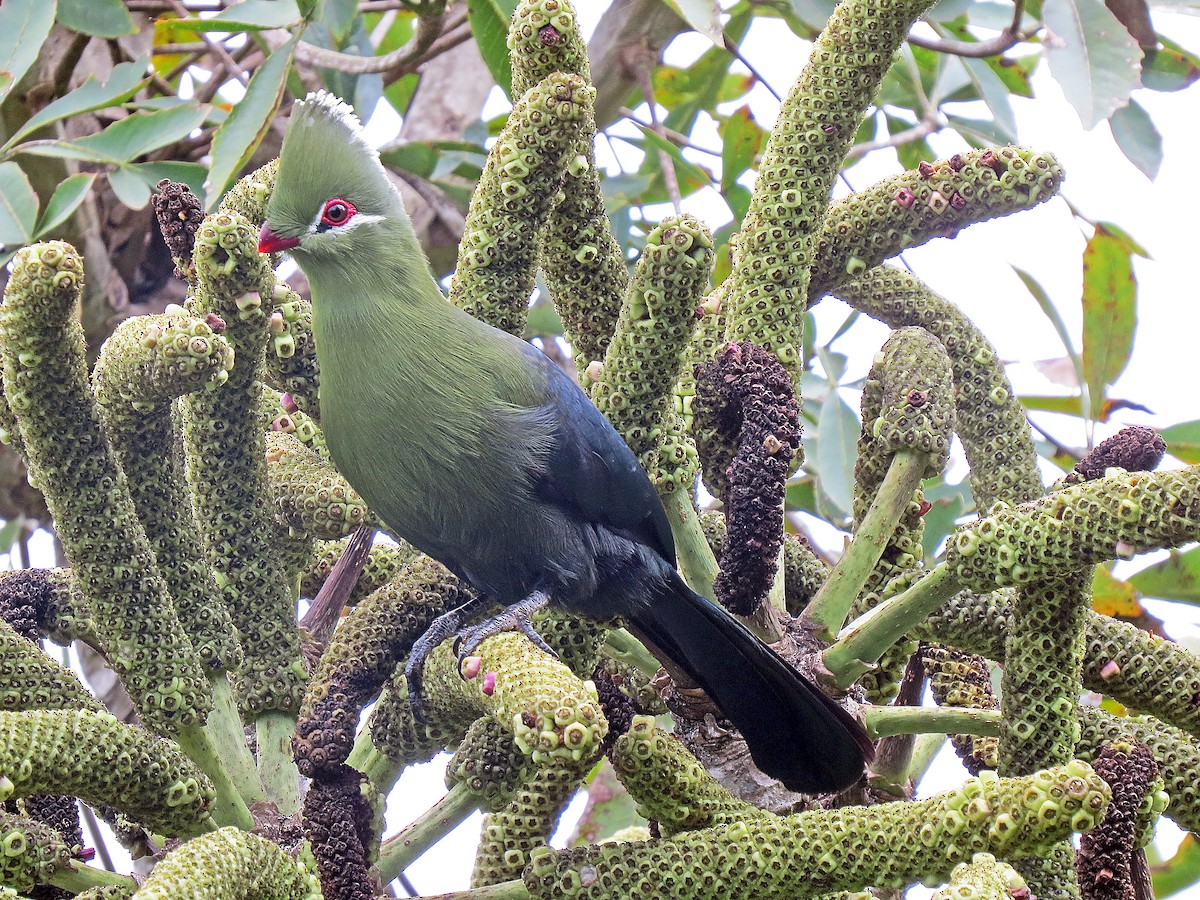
point(270, 242)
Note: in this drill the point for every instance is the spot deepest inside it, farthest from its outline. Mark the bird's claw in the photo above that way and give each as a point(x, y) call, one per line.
point(513, 618)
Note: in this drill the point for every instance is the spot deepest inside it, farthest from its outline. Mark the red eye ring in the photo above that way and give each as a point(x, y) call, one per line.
point(338, 212)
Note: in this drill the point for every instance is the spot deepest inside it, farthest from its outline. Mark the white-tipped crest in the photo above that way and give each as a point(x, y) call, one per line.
point(333, 108)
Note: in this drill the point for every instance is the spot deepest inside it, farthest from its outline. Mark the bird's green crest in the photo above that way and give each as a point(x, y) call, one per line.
point(324, 156)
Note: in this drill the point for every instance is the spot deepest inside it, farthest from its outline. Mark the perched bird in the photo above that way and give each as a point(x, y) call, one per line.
point(473, 446)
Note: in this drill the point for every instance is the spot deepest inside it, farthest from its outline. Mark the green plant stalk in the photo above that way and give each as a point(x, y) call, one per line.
point(381, 770)
point(403, 848)
point(869, 637)
point(695, 557)
point(885, 721)
point(276, 768)
point(228, 738)
point(78, 877)
point(926, 747)
point(622, 645)
point(229, 808)
point(827, 612)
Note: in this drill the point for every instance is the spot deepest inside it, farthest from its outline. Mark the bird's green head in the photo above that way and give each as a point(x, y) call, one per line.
point(333, 202)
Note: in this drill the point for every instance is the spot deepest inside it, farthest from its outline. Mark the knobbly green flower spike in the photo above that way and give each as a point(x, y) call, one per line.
point(1122, 661)
point(107, 892)
point(249, 197)
point(365, 650)
point(311, 496)
point(1115, 516)
point(32, 679)
point(488, 764)
point(511, 836)
point(582, 262)
point(816, 124)
point(552, 714)
point(227, 468)
point(960, 679)
point(383, 562)
point(57, 608)
point(291, 357)
point(230, 864)
point(934, 200)
point(885, 846)
point(398, 739)
point(633, 388)
point(516, 193)
point(983, 878)
point(147, 363)
point(45, 379)
point(669, 784)
point(715, 451)
point(989, 419)
point(92, 756)
point(908, 416)
point(30, 852)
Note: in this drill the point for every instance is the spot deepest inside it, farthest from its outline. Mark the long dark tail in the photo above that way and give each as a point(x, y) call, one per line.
point(795, 732)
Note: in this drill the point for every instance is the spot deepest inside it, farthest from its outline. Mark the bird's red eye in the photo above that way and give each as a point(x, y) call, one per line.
point(338, 211)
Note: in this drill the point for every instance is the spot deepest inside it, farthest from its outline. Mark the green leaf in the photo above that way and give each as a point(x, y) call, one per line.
point(339, 17)
point(189, 173)
point(1092, 56)
point(64, 201)
point(1183, 441)
point(814, 13)
point(130, 187)
point(703, 15)
point(837, 448)
point(1169, 67)
point(140, 133)
point(18, 206)
point(489, 23)
point(977, 132)
point(1134, 132)
point(123, 82)
point(100, 18)
point(1050, 311)
point(1175, 578)
point(1180, 872)
point(742, 138)
point(10, 532)
point(947, 502)
point(24, 25)
point(252, 15)
point(994, 92)
point(1109, 312)
point(240, 134)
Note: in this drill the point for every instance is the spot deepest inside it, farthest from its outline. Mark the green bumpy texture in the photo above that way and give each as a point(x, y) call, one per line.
point(510, 836)
point(516, 193)
point(30, 852)
point(962, 680)
point(670, 785)
point(107, 892)
point(989, 418)
point(147, 363)
point(488, 764)
point(383, 562)
point(364, 651)
point(291, 359)
point(92, 756)
point(634, 387)
point(983, 878)
point(227, 469)
point(229, 864)
point(250, 196)
point(46, 382)
point(936, 200)
point(810, 138)
point(32, 679)
point(1093, 522)
point(311, 496)
point(582, 262)
point(886, 846)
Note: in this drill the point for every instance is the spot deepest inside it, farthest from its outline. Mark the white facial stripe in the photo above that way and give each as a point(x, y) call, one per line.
point(346, 227)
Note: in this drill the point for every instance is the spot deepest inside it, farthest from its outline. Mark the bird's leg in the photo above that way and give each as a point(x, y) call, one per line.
point(512, 618)
point(442, 627)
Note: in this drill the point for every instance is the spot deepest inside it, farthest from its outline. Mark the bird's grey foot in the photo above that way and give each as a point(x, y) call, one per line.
point(441, 628)
point(512, 618)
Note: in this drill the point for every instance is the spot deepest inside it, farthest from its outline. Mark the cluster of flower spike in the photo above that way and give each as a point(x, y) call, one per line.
point(841, 849)
point(30, 852)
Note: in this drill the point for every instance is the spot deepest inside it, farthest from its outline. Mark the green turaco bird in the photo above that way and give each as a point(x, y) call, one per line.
point(478, 450)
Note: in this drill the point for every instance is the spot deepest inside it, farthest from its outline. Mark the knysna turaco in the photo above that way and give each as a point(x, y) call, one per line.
point(478, 450)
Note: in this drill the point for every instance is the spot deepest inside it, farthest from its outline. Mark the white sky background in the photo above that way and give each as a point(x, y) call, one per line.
point(974, 272)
